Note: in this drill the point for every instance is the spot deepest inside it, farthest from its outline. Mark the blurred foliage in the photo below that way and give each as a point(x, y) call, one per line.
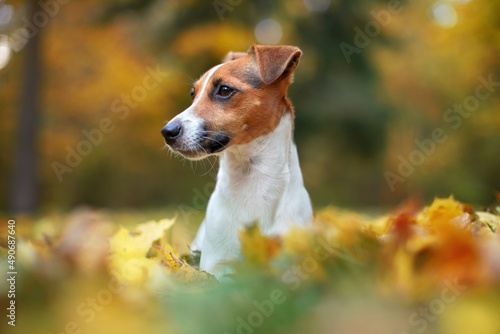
point(353, 120)
point(415, 270)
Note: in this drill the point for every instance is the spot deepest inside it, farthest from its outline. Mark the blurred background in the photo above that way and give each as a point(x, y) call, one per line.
point(86, 87)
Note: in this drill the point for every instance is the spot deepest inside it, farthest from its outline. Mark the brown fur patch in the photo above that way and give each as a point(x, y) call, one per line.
point(255, 109)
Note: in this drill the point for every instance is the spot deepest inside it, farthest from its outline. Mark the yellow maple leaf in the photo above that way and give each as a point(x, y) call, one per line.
point(137, 245)
point(442, 210)
point(167, 257)
point(128, 260)
point(298, 241)
point(134, 270)
point(257, 248)
point(191, 276)
point(153, 230)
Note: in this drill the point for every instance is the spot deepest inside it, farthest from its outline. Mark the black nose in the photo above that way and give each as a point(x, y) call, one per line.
point(171, 131)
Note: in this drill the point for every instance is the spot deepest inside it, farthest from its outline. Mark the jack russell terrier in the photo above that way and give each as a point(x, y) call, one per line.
point(241, 113)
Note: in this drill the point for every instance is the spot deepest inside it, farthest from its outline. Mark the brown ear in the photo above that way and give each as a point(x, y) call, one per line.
point(275, 61)
point(233, 56)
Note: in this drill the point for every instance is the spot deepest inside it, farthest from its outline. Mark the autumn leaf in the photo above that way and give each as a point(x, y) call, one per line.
point(129, 251)
point(298, 241)
point(442, 210)
point(134, 245)
point(257, 248)
point(166, 256)
point(190, 276)
point(489, 221)
point(404, 256)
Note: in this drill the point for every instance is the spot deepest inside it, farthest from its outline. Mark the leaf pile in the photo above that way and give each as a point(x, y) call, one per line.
point(416, 270)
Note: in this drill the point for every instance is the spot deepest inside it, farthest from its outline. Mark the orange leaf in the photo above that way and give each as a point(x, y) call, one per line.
point(257, 248)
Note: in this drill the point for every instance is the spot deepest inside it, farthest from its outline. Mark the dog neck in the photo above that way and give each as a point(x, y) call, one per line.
point(267, 155)
point(254, 177)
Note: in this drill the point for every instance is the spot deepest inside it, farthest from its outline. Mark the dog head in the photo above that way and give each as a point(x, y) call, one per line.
point(235, 102)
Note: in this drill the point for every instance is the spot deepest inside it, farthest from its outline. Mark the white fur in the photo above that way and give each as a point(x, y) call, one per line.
point(259, 182)
point(190, 122)
point(207, 80)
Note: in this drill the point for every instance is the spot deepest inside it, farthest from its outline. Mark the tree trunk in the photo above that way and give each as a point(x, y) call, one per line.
point(25, 182)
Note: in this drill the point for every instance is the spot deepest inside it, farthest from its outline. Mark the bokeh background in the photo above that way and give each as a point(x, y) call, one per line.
point(375, 76)
point(80, 128)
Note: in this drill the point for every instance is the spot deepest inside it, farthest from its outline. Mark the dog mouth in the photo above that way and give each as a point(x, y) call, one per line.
point(207, 144)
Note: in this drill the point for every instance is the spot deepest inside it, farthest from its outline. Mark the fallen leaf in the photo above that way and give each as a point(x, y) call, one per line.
point(257, 248)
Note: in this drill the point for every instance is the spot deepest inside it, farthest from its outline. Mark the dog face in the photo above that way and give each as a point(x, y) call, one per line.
point(234, 102)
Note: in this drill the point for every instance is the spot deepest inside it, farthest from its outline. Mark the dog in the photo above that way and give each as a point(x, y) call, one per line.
point(241, 113)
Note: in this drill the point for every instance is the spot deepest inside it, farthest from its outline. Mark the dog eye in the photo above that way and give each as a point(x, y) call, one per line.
point(192, 93)
point(225, 91)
